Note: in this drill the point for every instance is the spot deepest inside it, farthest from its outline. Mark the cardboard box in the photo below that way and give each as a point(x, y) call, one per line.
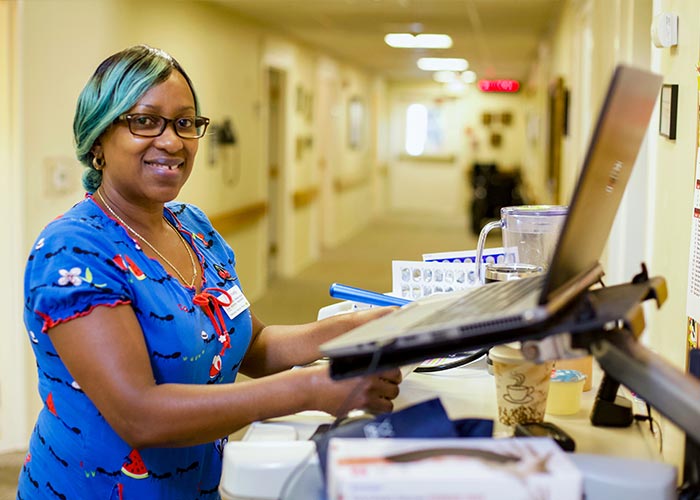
point(451, 469)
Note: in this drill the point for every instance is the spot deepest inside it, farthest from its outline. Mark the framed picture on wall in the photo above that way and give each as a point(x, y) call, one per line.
point(668, 111)
point(356, 119)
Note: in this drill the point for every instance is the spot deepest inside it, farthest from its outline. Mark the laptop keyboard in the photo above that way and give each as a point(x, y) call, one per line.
point(488, 300)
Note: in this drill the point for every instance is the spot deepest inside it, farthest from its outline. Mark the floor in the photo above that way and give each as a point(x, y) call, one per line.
point(364, 261)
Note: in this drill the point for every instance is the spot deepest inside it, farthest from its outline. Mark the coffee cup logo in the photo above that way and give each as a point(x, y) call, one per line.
point(517, 393)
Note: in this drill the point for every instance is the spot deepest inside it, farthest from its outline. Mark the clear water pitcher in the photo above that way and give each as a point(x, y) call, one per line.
point(529, 233)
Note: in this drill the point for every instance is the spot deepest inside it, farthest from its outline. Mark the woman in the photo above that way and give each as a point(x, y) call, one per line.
point(137, 318)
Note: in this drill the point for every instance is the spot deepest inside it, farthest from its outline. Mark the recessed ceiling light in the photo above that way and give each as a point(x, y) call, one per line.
point(421, 41)
point(442, 63)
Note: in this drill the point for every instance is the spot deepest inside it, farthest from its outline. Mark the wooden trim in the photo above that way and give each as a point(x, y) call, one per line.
point(341, 184)
point(304, 197)
point(238, 217)
point(428, 158)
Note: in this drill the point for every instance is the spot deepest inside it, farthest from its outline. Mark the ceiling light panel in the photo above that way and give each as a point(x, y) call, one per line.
point(442, 64)
point(421, 41)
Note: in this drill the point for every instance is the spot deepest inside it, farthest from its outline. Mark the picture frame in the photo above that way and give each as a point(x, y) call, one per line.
point(668, 111)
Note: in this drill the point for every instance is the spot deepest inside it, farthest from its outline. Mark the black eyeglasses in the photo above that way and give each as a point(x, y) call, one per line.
point(187, 127)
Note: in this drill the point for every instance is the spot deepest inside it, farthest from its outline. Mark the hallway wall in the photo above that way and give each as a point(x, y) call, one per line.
point(655, 220)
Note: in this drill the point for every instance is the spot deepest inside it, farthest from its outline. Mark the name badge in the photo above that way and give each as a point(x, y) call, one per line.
point(238, 302)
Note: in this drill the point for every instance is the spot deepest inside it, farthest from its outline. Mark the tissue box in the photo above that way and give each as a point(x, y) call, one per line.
point(455, 469)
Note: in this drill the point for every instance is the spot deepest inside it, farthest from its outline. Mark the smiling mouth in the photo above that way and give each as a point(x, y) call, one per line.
point(165, 165)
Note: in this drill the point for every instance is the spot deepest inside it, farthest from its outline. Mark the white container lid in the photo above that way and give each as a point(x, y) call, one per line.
point(507, 353)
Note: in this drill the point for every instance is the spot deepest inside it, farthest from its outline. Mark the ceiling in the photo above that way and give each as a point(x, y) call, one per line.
point(499, 38)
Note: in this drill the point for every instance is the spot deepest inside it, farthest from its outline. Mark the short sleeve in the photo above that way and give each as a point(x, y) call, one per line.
point(72, 269)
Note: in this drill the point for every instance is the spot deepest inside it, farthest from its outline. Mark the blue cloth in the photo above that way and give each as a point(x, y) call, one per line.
point(85, 259)
point(428, 419)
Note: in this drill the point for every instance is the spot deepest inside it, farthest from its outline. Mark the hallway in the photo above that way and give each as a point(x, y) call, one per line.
point(363, 261)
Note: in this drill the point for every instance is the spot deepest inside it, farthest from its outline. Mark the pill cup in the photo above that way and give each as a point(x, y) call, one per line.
point(521, 386)
point(583, 364)
point(565, 388)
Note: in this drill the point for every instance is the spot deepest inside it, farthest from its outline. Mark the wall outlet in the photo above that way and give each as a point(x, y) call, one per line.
point(61, 175)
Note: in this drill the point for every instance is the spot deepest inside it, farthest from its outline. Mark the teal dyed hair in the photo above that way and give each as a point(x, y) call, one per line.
point(115, 87)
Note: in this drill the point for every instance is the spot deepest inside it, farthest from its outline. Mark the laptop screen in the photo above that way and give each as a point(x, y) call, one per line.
point(615, 143)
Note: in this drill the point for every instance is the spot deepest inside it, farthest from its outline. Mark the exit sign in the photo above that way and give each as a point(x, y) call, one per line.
point(499, 85)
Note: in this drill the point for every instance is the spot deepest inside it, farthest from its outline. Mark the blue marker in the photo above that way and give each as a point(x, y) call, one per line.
point(340, 291)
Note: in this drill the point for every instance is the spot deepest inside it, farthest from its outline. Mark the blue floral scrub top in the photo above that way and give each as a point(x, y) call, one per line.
point(85, 259)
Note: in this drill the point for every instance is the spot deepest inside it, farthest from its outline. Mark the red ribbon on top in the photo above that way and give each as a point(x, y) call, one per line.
point(212, 305)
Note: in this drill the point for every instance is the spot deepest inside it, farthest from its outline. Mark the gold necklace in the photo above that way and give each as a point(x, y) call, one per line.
point(184, 243)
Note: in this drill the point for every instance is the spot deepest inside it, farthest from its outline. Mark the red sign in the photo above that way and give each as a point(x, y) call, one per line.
point(499, 85)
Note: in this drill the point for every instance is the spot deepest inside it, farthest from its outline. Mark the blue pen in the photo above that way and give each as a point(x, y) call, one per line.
point(340, 291)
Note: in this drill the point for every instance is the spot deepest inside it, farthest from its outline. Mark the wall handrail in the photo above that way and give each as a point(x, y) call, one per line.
point(304, 197)
point(238, 217)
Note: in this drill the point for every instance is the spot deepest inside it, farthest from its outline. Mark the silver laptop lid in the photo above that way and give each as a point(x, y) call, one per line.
point(615, 143)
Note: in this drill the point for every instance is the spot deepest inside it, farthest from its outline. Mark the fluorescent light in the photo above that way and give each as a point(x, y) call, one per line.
point(400, 40)
point(433, 41)
point(444, 76)
point(469, 77)
point(442, 63)
point(421, 41)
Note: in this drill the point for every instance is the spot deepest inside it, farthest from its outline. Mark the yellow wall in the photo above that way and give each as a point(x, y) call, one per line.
point(618, 31)
point(674, 176)
point(13, 392)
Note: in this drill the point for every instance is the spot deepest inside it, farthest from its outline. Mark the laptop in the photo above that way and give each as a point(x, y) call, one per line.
point(519, 309)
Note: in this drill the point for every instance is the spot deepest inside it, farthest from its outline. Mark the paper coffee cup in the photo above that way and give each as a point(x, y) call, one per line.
point(521, 386)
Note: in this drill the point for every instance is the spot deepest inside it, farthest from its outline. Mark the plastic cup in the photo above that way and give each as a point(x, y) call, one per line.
point(521, 386)
point(583, 364)
point(565, 388)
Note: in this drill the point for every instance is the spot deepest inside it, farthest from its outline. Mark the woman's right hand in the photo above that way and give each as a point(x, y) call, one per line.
point(373, 393)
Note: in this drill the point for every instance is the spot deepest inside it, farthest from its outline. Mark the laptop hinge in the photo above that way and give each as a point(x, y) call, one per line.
point(573, 288)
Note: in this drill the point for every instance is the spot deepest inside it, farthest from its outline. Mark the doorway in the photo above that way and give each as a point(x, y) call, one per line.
point(276, 84)
point(329, 147)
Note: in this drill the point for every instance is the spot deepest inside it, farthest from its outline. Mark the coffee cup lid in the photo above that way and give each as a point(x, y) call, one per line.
point(506, 353)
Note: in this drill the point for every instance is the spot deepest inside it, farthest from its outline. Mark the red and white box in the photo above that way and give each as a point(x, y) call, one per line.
point(451, 469)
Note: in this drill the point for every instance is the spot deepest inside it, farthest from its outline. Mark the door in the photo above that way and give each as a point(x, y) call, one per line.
point(328, 133)
point(275, 157)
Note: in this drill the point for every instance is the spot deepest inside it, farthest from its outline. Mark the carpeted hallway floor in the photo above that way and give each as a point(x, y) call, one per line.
point(363, 261)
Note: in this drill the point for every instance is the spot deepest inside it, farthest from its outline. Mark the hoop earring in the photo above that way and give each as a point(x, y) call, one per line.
point(98, 164)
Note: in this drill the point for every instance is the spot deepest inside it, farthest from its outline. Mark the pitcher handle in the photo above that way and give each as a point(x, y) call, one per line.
point(480, 249)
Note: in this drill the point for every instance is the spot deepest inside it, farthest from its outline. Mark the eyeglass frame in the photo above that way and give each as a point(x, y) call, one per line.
point(126, 117)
